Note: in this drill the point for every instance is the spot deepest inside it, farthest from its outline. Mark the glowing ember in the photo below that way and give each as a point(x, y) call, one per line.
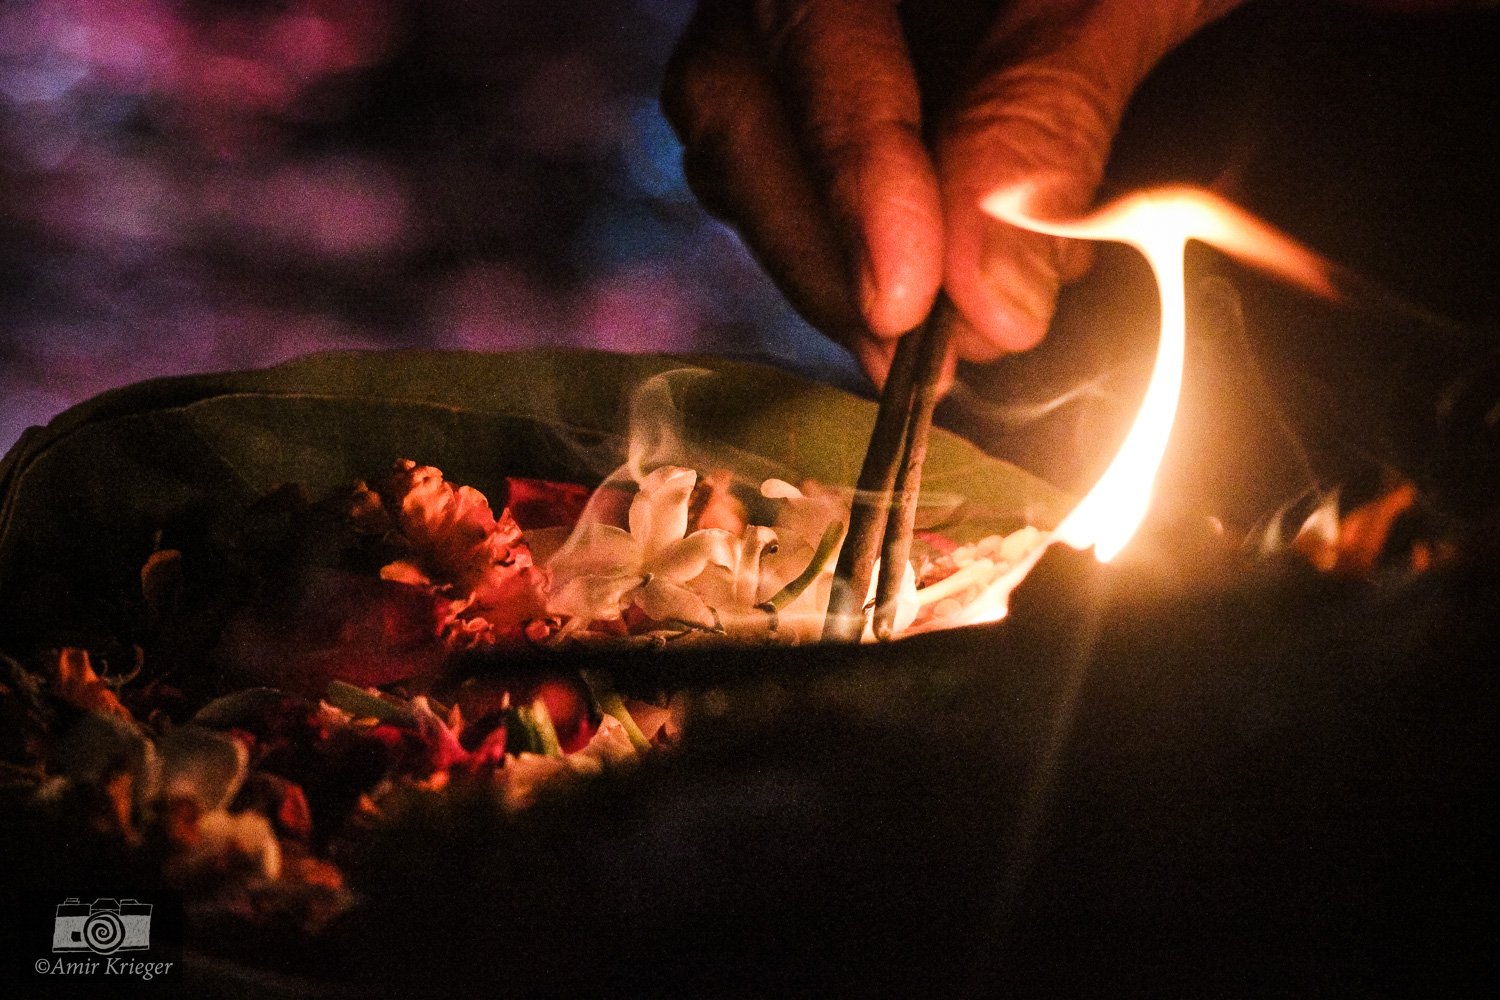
point(1158, 224)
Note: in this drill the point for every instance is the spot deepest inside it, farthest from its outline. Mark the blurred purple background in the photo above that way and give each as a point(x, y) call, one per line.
point(196, 185)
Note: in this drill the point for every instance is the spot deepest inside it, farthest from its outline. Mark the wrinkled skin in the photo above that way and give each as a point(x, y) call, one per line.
point(856, 178)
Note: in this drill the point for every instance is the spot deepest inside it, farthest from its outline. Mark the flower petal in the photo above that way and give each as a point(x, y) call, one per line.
point(753, 544)
point(541, 503)
point(75, 682)
point(779, 568)
point(433, 513)
point(665, 601)
point(525, 775)
point(590, 598)
point(779, 489)
point(443, 748)
point(610, 746)
point(659, 512)
point(803, 514)
point(201, 764)
point(404, 571)
point(595, 549)
point(687, 557)
point(233, 839)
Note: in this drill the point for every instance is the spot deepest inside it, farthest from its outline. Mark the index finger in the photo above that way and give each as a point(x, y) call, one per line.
point(845, 66)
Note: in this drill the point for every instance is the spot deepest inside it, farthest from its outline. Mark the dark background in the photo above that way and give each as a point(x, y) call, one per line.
point(192, 186)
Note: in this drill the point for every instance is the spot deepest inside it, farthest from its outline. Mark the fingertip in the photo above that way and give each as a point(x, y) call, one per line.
point(897, 297)
point(898, 223)
point(1004, 311)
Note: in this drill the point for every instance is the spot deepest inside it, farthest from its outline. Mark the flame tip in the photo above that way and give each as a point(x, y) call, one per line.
point(1158, 222)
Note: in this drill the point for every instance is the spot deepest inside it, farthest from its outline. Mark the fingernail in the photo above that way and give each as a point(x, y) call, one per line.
point(885, 300)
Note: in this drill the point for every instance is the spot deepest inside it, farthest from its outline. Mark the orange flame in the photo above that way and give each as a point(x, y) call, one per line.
point(1159, 224)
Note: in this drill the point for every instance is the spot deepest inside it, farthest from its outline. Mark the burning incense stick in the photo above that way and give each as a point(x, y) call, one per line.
point(935, 336)
point(893, 461)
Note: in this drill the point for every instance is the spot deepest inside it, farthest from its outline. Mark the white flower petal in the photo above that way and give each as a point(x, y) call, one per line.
point(659, 512)
point(803, 516)
point(202, 764)
point(686, 558)
point(779, 489)
point(665, 601)
point(244, 836)
point(595, 549)
point(779, 568)
point(715, 585)
point(753, 543)
point(590, 598)
point(610, 501)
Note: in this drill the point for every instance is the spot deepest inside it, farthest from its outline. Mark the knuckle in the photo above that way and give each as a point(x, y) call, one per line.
point(844, 145)
point(1054, 111)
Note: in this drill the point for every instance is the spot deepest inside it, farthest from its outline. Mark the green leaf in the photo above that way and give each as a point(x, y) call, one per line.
point(82, 500)
point(362, 704)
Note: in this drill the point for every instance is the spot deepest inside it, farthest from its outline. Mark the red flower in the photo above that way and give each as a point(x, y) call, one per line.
point(457, 546)
point(540, 503)
point(336, 625)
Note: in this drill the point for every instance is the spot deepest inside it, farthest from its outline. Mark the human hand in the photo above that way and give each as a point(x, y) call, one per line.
point(803, 123)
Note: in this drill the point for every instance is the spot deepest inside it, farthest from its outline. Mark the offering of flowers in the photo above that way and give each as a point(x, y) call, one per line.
point(330, 658)
point(328, 661)
point(399, 638)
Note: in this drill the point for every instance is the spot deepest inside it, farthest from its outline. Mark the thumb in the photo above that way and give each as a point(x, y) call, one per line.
point(1045, 99)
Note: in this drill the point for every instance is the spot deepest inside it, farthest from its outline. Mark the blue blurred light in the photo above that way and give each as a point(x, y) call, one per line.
point(624, 232)
point(653, 156)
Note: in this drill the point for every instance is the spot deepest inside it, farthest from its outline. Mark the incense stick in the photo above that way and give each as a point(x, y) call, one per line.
point(932, 351)
point(900, 421)
point(872, 498)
